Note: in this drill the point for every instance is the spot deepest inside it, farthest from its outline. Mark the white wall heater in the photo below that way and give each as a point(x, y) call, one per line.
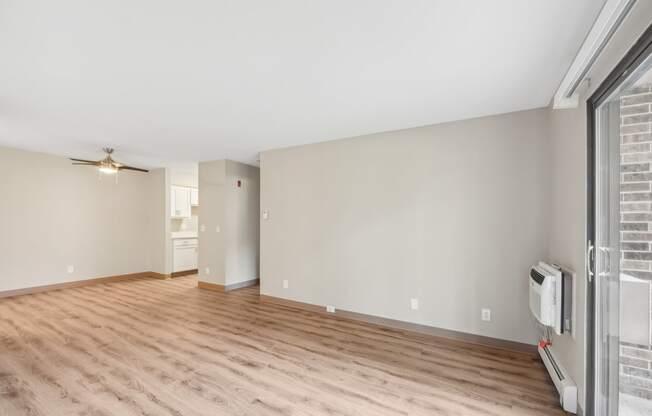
point(550, 296)
point(551, 290)
point(565, 385)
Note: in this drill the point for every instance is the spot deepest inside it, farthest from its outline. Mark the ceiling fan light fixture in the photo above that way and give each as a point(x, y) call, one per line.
point(107, 166)
point(108, 170)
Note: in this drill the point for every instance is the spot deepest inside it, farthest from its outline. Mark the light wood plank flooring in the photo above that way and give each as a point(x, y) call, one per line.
point(151, 347)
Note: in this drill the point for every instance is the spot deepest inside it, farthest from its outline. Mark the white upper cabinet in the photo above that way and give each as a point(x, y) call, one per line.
point(182, 198)
point(180, 202)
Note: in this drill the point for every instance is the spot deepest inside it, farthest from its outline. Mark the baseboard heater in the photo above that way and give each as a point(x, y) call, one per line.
point(565, 385)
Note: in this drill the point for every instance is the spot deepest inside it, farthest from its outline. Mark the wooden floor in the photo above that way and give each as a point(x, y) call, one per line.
point(152, 347)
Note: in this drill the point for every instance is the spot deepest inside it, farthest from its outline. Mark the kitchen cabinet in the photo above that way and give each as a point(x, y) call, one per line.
point(182, 199)
point(184, 254)
point(180, 202)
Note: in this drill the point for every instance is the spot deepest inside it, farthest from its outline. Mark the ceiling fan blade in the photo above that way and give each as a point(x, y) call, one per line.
point(125, 167)
point(83, 160)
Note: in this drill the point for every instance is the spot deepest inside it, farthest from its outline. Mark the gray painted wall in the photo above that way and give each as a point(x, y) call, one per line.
point(159, 221)
point(567, 235)
point(242, 224)
point(451, 214)
point(567, 232)
point(212, 214)
point(54, 214)
point(230, 253)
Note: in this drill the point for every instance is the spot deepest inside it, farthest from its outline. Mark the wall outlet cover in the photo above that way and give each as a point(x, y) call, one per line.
point(202, 228)
point(330, 309)
point(265, 215)
point(207, 271)
point(485, 314)
point(70, 269)
point(414, 304)
point(286, 284)
point(217, 229)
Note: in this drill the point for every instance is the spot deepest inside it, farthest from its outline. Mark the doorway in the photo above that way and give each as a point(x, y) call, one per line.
point(620, 239)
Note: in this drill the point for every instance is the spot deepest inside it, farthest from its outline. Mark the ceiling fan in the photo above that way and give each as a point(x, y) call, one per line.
point(106, 165)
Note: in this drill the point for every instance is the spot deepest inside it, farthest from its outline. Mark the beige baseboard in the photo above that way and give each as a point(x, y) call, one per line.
point(215, 287)
point(240, 285)
point(408, 326)
point(161, 276)
point(79, 283)
point(210, 286)
point(184, 273)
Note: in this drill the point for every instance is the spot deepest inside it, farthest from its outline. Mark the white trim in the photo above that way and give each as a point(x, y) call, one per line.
point(611, 16)
point(566, 102)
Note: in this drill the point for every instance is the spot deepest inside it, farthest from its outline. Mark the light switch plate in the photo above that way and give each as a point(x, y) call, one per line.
point(414, 304)
point(286, 284)
point(202, 228)
point(207, 271)
point(217, 229)
point(70, 269)
point(265, 215)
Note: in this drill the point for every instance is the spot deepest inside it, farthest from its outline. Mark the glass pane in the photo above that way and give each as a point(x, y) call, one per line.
point(607, 257)
point(624, 249)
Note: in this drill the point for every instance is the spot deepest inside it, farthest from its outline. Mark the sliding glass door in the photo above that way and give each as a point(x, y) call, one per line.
point(620, 241)
point(607, 254)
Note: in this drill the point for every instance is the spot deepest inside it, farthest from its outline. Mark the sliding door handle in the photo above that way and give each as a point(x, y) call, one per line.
point(606, 261)
point(589, 261)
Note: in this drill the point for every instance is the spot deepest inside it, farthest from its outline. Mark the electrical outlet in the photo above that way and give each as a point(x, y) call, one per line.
point(71, 269)
point(286, 284)
point(265, 215)
point(217, 229)
point(485, 314)
point(202, 228)
point(207, 271)
point(330, 309)
point(414, 304)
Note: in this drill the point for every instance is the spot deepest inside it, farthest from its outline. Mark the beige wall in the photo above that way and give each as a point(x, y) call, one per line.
point(231, 253)
point(159, 231)
point(452, 214)
point(242, 226)
point(54, 214)
point(212, 214)
point(567, 233)
point(568, 152)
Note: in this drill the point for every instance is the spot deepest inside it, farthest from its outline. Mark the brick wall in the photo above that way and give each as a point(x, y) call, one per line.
point(636, 241)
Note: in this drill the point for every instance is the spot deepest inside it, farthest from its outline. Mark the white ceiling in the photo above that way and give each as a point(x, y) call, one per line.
point(168, 82)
